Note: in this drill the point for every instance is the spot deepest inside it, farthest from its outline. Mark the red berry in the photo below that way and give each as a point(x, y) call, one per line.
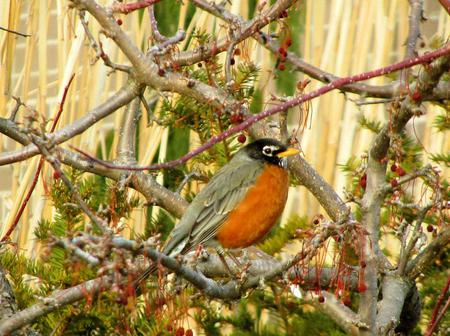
point(56, 174)
point(430, 228)
point(179, 332)
point(242, 138)
point(281, 51)
point(237, 52)
point(236, 118)
point(321, 299)
point(363, 264)
point(394, 168)
point(401, 171)
point(394, 182)
point(281, 67)
point(161, 72)
point(283, 14)
point(416, 96)
point(189, 332)
point(363, 181)
point(232, 61)
point(119, 22)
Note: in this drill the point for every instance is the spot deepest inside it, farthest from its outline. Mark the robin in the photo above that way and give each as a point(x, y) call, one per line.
point(240, 204)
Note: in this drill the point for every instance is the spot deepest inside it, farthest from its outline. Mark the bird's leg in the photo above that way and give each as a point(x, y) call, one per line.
point(222, 253)
point(198, 250)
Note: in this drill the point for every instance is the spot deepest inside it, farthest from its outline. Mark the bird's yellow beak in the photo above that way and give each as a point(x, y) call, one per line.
point(288, 152)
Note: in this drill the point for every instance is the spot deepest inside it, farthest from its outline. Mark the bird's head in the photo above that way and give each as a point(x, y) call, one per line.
point(269, 151)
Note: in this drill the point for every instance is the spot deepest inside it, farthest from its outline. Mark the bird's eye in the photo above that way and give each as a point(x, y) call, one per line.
point(267, 151)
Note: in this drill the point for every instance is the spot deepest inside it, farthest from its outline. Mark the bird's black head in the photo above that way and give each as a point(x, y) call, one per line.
point(269, 151)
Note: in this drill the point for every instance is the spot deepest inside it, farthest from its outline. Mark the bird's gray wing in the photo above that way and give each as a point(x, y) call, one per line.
point(211, 207)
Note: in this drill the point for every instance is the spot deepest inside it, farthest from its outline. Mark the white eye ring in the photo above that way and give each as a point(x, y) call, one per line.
point(268, 150)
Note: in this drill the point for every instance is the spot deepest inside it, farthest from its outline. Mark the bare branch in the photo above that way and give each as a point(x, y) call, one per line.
point(395, 289)
point(376, 170)
point(246, 30)
point(405, 254)
point(154, 24)
point(126, 148)
point(41, 144)
point(55, 301)
point(118, 7)
point(122, 97)
point(416, 266)
point(415, 18)
point(40, 165)
point(100, 53)
point(341, 314)
point(83, 255)
point(143, 183)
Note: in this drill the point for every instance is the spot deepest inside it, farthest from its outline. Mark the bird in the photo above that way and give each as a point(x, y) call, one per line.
point(239, 205)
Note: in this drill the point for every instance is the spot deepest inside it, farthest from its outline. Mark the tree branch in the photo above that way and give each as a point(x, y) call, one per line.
point(376, 170)
point(122, 97)
point(394, 288)
point(58, 299)
point(339, 313)
point(415, 17)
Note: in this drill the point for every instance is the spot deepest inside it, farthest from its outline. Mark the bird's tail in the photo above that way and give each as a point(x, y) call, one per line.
point(139, 281)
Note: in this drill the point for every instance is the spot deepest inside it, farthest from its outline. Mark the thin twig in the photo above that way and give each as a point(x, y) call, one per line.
point(440, 316)
point(123, 96)
point(39, 168)
point(16, 108)
point(415, 18)
point(434, 321)
point(118, 7)
point(67, 245)
point(160, 49)
point(100, 53)
point(406, 252)
point(228, 74)
point(15, 32)
point(55, 301)
point(186, 179)
point(56, 164)
point(154, 24)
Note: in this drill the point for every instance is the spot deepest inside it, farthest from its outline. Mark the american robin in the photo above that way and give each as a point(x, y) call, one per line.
point(238, 206)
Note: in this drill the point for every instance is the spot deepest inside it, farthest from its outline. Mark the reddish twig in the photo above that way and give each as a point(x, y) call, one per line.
point(128, 8)
point(39, 168)
point(282, 107)
point(446, 5)
point(61, 105)
point(25, 201)
point(436, 316)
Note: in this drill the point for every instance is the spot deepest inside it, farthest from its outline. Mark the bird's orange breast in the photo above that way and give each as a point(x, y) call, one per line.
point(256, 214)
